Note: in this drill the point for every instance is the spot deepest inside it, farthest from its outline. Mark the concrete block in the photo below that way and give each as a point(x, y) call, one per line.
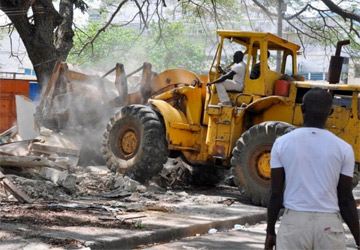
point(64, 144)
point(119, 182)
point(98, 170)
point(130, 184)
point(60, 178)
point(25, 110)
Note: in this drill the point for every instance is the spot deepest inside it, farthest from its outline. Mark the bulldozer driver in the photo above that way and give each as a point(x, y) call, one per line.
point(232, 81)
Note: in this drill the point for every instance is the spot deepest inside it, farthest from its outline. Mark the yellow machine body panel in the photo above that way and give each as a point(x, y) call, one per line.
point(179, 133)
point(224, 128)
point(172, 78)
point(181, 108)
point(344, 120)
point(273, 108)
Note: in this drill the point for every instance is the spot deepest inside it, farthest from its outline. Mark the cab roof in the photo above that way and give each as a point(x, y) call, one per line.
point(326, 85)
point(244, 37)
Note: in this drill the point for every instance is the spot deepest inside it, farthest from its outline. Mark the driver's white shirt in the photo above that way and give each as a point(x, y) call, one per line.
point(239, 69)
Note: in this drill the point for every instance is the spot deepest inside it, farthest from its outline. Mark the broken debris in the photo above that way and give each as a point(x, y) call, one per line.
point(28, 161)
point(9, 186)
point(25, 110)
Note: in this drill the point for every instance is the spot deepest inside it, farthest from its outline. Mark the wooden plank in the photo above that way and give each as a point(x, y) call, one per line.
point(57, 143)
point(18, 194)
point(10, 132)
point(28, 161)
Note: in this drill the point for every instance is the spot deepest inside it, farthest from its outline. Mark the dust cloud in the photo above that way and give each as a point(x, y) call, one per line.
point(88, 116)
point(82, 108)
point(92, 105)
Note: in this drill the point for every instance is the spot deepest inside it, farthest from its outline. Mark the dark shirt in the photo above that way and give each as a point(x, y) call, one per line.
point(255, 72)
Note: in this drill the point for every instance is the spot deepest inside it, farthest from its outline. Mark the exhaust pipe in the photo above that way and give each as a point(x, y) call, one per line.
point(336, 63)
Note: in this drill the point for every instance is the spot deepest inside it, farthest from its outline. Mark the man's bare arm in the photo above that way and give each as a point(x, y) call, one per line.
point(348, 206)
point(228, 75)
point(275, 204)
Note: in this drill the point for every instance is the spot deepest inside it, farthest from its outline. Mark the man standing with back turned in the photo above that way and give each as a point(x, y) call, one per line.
point(316, 169)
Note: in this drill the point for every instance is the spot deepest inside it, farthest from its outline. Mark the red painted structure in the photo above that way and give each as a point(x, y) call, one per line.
point(8, 89)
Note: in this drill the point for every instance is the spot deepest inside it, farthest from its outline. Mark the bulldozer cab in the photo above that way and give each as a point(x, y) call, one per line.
point(256, 48)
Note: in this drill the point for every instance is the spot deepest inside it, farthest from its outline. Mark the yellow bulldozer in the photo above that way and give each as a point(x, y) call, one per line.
point(175, 113)
point(183, 115)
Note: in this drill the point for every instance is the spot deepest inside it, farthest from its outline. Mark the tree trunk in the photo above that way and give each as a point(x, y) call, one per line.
point(64, 33)
point(37, 31)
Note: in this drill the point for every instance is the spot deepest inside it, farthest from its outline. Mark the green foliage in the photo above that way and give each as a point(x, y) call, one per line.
point(139, 225)
point(165, 45)
point(110, 47)
point(173, 47)
point(3, 32)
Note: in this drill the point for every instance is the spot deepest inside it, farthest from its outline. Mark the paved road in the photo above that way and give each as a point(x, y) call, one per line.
point(251, 237)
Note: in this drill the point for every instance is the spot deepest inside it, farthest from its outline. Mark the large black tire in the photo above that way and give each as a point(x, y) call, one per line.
point(134, 143)
point(251, 159)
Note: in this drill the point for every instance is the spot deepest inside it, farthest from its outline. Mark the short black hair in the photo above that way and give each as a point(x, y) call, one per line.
point(238, 56)
point(317, 104)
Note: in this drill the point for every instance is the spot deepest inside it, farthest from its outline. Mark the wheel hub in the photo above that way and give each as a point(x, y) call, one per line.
point(129, 142)
point(263, 165)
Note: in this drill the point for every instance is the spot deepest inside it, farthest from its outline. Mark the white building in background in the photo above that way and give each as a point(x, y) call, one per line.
point(14, 62)
point(313, 64)
point(354, 73)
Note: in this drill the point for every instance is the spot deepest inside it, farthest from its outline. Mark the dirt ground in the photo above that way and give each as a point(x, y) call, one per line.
point(120, 213)
point(33, 218)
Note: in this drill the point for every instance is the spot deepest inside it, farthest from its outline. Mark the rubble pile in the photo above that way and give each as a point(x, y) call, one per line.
point(46, 168)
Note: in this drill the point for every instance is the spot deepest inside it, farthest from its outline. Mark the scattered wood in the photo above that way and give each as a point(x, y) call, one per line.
point(228, 202)
point(28, 161)
point(8, 134)
point(18, 194)
point(26, 141)
point(56, 143)
point(116, 193)
point(106, 218)
point(16, 148)
point(124, 218)
point(159, 209)
point(4, 153)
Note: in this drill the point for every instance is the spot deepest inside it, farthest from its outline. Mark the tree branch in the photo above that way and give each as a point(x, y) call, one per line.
point(11, 46)
point(298, 13)
point(247, 14)
point(105, 26)
point(141, 13)
point(352, 28)
point(343, 13)
point(268, 13)
point(7, 25)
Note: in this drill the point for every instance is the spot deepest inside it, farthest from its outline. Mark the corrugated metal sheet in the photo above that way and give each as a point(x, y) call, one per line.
point(8, 89)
